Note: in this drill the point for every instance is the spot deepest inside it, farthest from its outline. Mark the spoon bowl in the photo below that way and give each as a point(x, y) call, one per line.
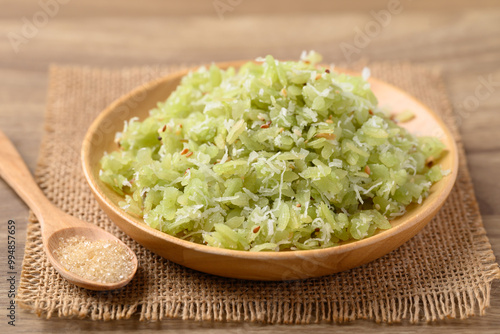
point(55, 223)
point(90, 233)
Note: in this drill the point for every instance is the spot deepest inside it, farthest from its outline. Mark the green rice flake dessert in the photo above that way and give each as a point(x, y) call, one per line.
point(271, 156)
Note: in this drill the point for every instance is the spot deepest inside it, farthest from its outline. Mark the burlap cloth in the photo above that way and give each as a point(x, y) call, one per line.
point(444, 272)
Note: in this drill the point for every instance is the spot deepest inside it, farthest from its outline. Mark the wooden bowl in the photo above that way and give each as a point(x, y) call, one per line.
point(285, 265)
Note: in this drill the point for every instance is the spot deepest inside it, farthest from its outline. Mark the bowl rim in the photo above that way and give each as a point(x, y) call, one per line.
point(431, 207)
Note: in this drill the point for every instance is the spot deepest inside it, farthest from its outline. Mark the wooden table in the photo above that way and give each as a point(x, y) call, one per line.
point(460, 37)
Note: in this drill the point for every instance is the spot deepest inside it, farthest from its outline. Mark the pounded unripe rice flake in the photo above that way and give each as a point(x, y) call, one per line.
point(272, 156)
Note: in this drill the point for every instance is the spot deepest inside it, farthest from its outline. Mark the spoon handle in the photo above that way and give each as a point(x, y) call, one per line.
point(15, 172)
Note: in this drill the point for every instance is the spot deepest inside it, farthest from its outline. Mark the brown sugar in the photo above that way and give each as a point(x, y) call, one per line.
point(101, 261)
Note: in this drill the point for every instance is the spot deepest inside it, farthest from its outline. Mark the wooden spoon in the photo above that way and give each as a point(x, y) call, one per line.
point(54, 222)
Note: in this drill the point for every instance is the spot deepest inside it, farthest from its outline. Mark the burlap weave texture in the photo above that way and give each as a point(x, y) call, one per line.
point(445, 271)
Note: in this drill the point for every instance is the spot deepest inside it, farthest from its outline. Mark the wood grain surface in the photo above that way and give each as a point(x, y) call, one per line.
point(461, 38)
